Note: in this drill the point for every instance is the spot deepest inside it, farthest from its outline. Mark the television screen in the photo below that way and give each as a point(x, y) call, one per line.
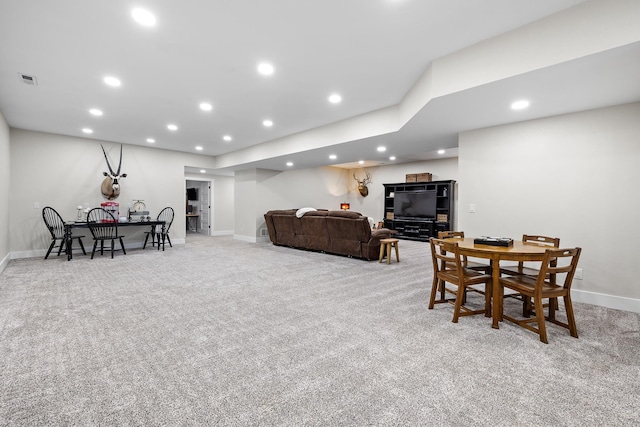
point(192, 194)
point(414, 204)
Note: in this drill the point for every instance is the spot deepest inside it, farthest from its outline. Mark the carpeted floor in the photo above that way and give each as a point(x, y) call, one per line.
point(223, 332)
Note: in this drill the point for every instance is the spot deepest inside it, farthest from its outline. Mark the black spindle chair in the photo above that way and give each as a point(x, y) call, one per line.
point(103, 226)
point(55, 224)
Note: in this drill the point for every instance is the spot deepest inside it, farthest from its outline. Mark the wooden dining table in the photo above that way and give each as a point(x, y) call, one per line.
point(519, 251)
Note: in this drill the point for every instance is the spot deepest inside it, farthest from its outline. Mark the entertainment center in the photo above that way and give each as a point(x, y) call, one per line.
point(418, 210)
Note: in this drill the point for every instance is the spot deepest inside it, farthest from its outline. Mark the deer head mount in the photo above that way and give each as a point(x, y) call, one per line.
point(362, 184)
point(110, 186)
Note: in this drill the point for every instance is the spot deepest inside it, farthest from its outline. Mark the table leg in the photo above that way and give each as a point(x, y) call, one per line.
point(497, 294)
point(163, 235)
point(67, 241)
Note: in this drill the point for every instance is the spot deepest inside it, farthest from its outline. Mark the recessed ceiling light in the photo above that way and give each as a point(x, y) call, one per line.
point(143, 17)
point(267, 123)
point(289, 163)
point(199, 148)
point(151, 140)
point(265, 69)
point(382, 149)
point(392, 158)
point(440, 151)
point(227, 138)
point(203, 171)
point(335, 98)
point(172, 127)
point(361, 162)
point(95, 112)
point(112, 81)
point(205, 106)
point(519, 105)
point(333, 156)
point(87, 130)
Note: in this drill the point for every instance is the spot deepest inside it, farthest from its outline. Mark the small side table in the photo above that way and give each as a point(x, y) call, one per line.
point(385, 246)
point(195, 216)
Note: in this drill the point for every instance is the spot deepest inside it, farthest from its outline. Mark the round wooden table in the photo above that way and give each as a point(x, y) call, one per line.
point(519, 251)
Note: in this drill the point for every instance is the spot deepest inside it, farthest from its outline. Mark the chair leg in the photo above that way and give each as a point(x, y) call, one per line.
point(459, 297)
point(62, 244)
point(542, 330)
point(122, 246)
point(145, 241)
point(434, 289)
point(53, 243)
point(95, 245)
point(571, 320)
point(82, 245)
point(168, 240)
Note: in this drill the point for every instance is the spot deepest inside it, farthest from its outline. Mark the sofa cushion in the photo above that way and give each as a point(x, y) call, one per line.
point(345, 214)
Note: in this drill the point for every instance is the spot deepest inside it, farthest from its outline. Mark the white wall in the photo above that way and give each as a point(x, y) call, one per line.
point(258, 191)
point(223, 205)
point(64, 172)
point(572, 176)
point(4, 191)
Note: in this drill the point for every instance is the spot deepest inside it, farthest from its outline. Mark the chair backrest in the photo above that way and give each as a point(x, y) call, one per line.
point(556, 262)
point(445, 256)
point(54, 222)
point(552, 241)
point(166, 215)
point(102, 224)
point(449, 234)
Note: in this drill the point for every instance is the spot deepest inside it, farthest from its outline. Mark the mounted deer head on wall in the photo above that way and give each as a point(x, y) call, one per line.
point(362, 184)
point(110, 186)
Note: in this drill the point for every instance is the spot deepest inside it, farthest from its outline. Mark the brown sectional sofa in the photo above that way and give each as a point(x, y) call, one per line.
point(337, 232)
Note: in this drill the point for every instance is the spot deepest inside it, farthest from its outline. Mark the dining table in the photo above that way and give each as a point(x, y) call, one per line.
point(517, 251)
point(70, 225)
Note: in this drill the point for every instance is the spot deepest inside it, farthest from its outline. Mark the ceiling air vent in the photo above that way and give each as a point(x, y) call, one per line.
point(29, 80)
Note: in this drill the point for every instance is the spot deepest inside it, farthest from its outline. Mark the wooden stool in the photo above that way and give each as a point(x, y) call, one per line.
point(386, 245)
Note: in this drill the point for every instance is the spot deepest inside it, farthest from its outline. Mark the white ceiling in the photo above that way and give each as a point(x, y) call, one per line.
point(370, 51)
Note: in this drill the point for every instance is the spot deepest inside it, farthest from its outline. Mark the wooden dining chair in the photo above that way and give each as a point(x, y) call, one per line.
point(448, 266)
point(55, 225)
point(486, 268)
point(530, 270)
point(103, 226)
point(527, 269)
point(556, 263)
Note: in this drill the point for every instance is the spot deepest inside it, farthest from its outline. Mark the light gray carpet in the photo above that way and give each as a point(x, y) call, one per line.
point(222, 332)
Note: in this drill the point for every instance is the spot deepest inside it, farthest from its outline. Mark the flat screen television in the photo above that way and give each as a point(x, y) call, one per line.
point(192, 194)
point(414, 204)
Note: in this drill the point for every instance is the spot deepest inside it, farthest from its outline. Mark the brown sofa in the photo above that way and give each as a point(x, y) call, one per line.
point(337, 232)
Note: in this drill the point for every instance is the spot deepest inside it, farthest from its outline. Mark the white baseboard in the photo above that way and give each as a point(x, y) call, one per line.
point(610, 301)
point(250, 239)
point(222, 233)
point(5, 261)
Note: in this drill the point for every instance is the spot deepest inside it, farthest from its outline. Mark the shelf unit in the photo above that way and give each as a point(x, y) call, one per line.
point(421, 229)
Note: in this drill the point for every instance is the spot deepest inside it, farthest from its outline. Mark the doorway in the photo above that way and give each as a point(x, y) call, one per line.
point(198, 207)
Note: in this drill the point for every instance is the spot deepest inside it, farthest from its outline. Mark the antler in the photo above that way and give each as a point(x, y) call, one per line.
point(107, 159)
point(119, 163)
point(367, 180)
point(364, 181)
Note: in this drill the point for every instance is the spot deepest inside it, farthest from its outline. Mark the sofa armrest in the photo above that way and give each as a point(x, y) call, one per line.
point(382, 233)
